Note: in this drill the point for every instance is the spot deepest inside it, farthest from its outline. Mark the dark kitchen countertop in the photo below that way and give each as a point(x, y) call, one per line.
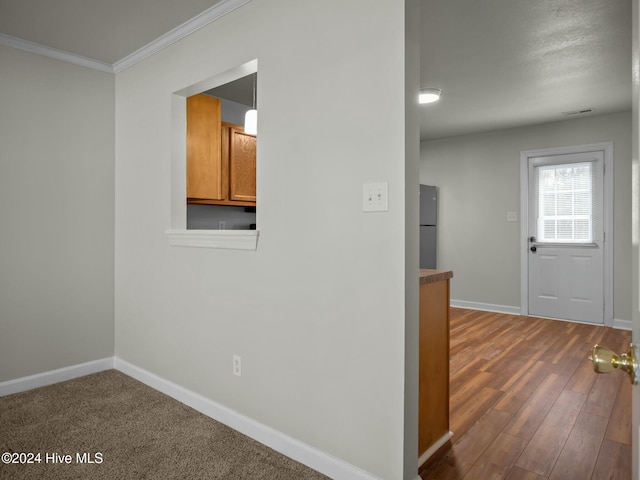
point(431, 276)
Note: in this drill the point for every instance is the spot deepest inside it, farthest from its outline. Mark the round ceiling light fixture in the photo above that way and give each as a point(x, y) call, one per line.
point(429, 95)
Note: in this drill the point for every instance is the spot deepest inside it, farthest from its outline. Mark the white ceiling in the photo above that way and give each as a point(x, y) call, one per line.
point(104, 30)
point(504, 63)
point(500, 63)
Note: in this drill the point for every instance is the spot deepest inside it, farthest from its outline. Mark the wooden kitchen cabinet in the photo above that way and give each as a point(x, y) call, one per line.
point(242, 165)
point(204, 155)
point(221, 158)
point(433, 401)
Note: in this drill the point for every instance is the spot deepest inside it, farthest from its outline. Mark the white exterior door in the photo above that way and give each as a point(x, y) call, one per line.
point(565, 235)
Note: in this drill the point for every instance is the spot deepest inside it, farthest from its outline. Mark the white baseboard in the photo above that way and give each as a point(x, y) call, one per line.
point(278, 441)
point(54, 376)
point(434, 448)
point(487, 307)
point(621, 324)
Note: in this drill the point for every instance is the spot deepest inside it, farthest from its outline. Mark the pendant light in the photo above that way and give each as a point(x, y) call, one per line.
point(251, 117)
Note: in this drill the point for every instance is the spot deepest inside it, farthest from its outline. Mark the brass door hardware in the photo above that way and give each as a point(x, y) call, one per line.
point(604, 361)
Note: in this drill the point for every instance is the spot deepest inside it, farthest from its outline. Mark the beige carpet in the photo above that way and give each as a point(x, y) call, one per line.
point(129, 431)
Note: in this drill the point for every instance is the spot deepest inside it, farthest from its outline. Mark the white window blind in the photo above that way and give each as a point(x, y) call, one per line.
point(565, 203)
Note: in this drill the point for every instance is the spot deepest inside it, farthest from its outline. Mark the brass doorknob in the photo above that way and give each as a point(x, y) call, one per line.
point(604, 361)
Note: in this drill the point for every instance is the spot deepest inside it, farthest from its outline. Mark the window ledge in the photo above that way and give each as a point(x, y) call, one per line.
point(222, 239)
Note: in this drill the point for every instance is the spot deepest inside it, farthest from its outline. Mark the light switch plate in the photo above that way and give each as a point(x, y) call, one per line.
point(375, 197)
point(512, 216)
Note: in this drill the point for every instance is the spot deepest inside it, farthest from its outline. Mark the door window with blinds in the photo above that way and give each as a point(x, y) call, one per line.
point(565, 199)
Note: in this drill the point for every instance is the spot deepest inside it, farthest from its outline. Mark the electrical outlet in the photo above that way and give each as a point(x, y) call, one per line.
point(237, 365)
point(221, 225)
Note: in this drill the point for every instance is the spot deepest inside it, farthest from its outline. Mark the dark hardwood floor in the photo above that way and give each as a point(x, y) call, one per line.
point(527, 405)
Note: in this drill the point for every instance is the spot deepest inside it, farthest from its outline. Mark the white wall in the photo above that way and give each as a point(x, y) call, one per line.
point(479, 180)
point(317, 312)
point(56, 214)
point(411, 235)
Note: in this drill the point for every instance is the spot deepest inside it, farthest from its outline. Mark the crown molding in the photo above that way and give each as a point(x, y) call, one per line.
point(63, 55)
point(203, 19)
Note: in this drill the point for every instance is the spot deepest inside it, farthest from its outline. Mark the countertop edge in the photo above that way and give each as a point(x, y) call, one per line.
point(432, 276)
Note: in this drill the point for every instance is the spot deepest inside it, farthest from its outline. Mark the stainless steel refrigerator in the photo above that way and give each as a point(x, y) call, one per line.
point(428, 225)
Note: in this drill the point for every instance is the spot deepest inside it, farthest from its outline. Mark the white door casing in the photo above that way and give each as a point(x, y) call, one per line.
point(567, 279)
point(635, 229)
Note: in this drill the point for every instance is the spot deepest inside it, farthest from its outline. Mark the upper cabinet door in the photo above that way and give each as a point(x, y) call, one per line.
point(204, 157)
point(242, 166)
